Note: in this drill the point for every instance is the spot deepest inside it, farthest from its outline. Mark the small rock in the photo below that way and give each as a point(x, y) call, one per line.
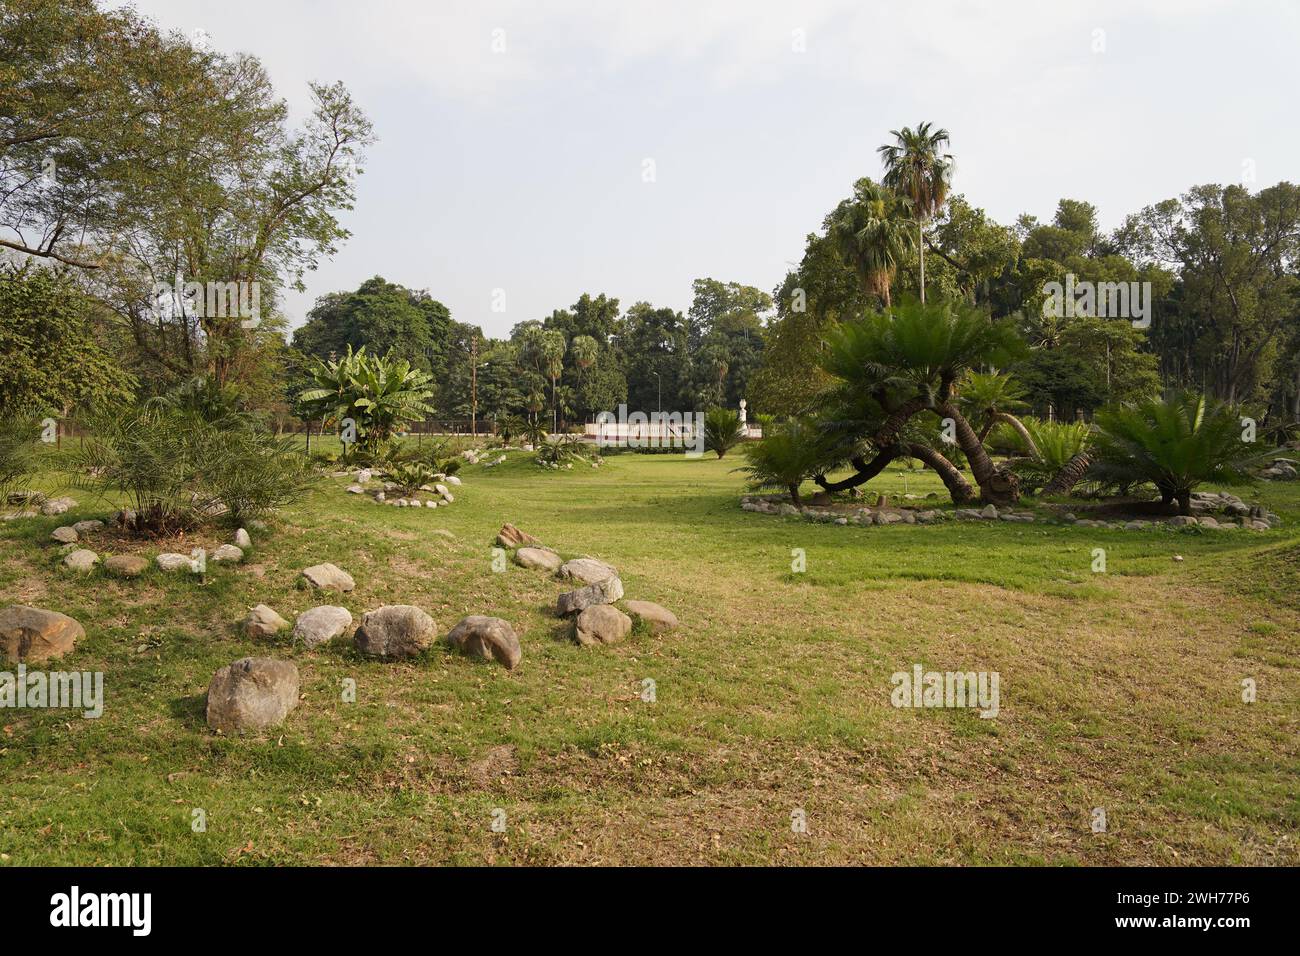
point(65, 535)
point(511, 537)
point(601, 624)
point(363, 476)
point(262, 621)
point(227, 553)
point(395, 630)
point(243, 539)
point(431, 503)
point(57, 506)
point(170, 561)
point(453, 480)
point(81, 560)
point(328, 577)
point(488, 637)
point(320, 625)
point(989, 511)
point(606, 591)
point(1181, 521)
point(253, 693)
point(1178, 557)
point(356, 490)
point(656, 617)
point(88, 527)
point(33, 634)
point(539, 558)
point(125, 565)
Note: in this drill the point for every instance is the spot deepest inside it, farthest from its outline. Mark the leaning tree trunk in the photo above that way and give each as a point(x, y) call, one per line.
point(997, 485)
point(1071, 474)
point(794, 493)
point(1030, 445)
point(958, 487)
point(866, 470)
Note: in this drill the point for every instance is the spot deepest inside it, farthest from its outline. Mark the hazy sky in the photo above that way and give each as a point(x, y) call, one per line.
point(522, 170)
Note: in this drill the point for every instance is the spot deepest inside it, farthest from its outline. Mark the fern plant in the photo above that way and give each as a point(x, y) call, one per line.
point(721, 430)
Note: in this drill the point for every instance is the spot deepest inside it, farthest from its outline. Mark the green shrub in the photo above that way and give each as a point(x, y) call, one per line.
point(179, 471)
point(1174, 443)
point(721, 430)
point(789, 455)
point(409, 476)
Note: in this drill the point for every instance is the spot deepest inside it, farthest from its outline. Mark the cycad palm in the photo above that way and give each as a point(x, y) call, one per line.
point(910, 358)
point(1176, 443)
point(917, 167)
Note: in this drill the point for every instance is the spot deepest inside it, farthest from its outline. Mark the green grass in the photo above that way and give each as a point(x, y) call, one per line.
point(1119, 690)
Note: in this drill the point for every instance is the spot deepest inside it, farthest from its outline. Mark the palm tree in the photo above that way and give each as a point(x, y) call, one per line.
point(584, 350)
point(909, 360)
point(916, 167)
point(871, 232)
point(551, 347)
point(1175, 443)
point(992, 397)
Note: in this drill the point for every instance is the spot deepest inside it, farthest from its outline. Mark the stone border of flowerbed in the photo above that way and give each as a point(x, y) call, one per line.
point(1234, 513)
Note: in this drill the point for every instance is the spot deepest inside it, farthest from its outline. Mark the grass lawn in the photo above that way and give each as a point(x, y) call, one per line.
point(1119, 690)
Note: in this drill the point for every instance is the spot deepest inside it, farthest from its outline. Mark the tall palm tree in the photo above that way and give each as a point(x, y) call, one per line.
point(917, 167)
point(551, 346)
point(871, 232)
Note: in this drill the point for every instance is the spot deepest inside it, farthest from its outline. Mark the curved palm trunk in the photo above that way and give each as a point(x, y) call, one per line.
point(866, 471)
point(1071, 474)
point(1021, 430)
point(888, 433)
point(997, 485)
point(958, 487)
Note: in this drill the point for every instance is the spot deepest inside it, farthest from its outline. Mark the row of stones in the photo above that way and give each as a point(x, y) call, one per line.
point(1245, 516)
point(132, 565)
point(595, 618)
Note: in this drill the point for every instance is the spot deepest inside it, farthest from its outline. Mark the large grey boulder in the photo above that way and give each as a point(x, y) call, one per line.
point(586, 570)
point(487, 637)
point(395, 630)
point(320, 625)
point(253, 693)
point(538, 558)
point(602, 624)
point(602, 592)
point(33, 634)
point(57, 506)
point(328, 577)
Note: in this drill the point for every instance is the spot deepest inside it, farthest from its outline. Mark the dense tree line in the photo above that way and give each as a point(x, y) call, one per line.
point(118, 179)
